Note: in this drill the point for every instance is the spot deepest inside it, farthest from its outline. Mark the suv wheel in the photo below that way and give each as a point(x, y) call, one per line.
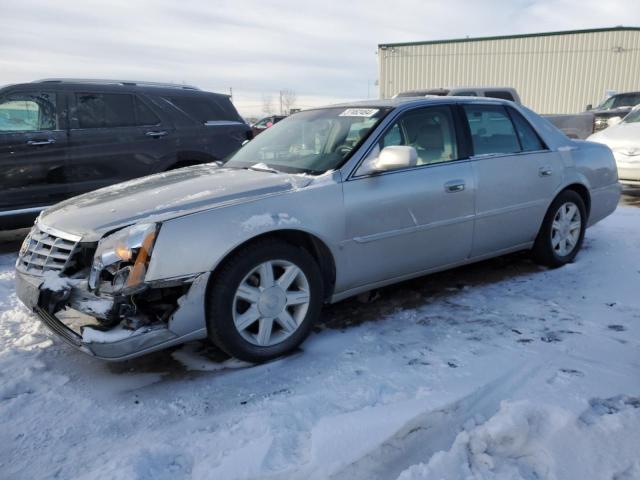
point(562, 231)
point(264, 301)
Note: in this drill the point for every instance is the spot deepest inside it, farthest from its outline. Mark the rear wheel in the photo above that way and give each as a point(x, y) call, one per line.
point(562, 231)
point(264, 301)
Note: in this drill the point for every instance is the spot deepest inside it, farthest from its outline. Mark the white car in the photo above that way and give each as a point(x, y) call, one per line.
point(624, 140)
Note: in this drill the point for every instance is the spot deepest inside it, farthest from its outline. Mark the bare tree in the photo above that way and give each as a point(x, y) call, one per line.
point(267, 104)
point(288, 100)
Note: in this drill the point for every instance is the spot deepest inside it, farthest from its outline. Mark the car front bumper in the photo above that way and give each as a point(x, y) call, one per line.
point(186, 323)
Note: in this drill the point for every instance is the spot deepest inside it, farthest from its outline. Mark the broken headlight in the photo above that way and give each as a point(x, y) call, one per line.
point(121, 259)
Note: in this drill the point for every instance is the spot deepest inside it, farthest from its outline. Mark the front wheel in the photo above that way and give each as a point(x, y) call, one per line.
point(562, 231)
point(264, 301)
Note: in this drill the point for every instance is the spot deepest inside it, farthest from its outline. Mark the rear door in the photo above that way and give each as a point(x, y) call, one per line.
point(33, 143)
point(517, 176)
point(115, 137)
point(211, 128)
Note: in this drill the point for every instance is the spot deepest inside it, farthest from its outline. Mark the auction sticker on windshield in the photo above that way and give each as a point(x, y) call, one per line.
point(359, 112)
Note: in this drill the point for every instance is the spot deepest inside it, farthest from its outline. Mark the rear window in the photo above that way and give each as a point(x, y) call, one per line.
point(205, 108)
point(529, 139)
point(504, 95)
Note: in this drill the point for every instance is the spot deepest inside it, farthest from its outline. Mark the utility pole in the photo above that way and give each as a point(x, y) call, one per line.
point(280, 102)
point(231, 93)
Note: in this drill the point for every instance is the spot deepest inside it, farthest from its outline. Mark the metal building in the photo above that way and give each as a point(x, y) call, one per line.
point(555, 72)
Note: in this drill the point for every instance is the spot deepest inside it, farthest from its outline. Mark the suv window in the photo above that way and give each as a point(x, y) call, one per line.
point(28, 112)
point(144, 115)
point(429, 130)
point(491, 129)
point(504, 95)
point(465, 94)
point(529, 139)
point(99, 110)
point(205, 108)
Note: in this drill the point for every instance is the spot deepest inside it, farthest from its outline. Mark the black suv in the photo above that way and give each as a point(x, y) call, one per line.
point(60, 138)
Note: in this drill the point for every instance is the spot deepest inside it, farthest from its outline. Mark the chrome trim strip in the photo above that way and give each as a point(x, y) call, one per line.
point(9, 213)
point(58, 233)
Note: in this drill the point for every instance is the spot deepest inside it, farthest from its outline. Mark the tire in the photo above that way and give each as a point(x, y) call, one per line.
point(249, 315)
point(559, 239)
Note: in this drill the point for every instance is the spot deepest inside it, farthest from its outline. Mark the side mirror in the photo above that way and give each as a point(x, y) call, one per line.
point(589, 107)
point(391, 158)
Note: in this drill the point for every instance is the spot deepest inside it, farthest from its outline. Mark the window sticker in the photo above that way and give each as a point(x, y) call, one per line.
point(359, 112)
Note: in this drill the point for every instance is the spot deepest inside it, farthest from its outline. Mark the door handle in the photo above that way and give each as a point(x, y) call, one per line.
point(36, 143)
point(156, 134)
point(454, 186)
point(545, 171)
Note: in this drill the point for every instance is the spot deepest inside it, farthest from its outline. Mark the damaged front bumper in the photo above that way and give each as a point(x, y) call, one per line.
point(185, 323)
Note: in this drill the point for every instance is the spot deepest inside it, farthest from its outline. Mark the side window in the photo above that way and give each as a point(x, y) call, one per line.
point(465, 94)
point(429, 130)
point(28, 112)
point(205, 108)
point(491, 129)
point(99, 110)
point(144, 115)
point(504, 95)
point(529, 139)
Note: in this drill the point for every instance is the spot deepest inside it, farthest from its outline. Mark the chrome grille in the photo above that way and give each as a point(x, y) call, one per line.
point(46, 249)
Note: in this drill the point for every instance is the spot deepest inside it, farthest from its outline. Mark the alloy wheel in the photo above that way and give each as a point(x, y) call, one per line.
point(271, 302)
point(565, 229)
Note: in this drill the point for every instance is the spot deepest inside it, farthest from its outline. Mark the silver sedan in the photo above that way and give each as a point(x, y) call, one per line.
point(326, 204)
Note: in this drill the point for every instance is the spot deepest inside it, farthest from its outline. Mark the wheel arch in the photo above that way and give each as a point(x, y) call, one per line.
point(581, 190)
point(316, 247)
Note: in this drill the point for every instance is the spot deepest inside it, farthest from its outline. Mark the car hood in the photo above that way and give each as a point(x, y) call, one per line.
point(612, 112)
point(621, 136)
point(163, 196)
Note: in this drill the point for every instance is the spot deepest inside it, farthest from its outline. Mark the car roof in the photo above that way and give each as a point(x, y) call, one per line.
point(417, 101)
point(114, 86)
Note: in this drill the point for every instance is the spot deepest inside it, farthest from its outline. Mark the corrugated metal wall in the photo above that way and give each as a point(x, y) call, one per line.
point(552, 73)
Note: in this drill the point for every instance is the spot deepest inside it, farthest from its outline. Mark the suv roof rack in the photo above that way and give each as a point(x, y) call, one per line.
point(116, 82)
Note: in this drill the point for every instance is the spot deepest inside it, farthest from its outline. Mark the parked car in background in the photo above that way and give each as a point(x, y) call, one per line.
point(326, 204)
point(616, 106)
point(578, 126)
point(624, 140)
point(60, 138)
point(266, 122)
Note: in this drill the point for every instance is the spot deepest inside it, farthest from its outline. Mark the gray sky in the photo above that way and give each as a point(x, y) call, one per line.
point(325, 51)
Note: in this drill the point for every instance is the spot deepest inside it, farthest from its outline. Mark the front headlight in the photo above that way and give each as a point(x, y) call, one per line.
point(121, 259)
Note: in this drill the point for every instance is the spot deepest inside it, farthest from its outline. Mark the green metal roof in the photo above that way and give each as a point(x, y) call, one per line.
point(508, 37)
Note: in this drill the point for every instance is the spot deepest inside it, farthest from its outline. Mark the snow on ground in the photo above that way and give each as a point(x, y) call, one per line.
point(499, 370)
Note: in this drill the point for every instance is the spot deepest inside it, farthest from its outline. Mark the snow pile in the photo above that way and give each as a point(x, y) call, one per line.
point(526, 441)
point(54, 282)
point(92, 335)
point(257, 222)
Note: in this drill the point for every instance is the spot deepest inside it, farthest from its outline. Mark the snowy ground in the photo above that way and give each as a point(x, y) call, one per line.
point(498, 370)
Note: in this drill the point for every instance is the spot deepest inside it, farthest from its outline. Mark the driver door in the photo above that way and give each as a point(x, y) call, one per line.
point(403, 222)
point(33, 149)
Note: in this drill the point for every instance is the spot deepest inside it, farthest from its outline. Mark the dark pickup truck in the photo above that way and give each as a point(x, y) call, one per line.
point(60, 138)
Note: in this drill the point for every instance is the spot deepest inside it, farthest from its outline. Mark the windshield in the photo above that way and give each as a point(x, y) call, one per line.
point(311, 142)
point(622, 100)
point(633, 117)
